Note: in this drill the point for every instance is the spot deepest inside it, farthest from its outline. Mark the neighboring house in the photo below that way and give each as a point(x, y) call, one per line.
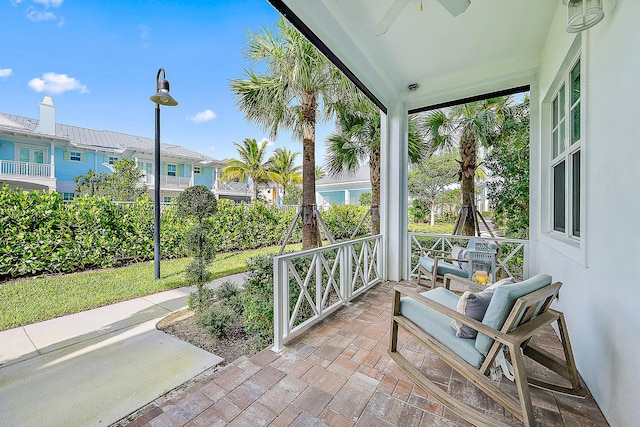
point(584, 178)
point(343, 189)
point(45, 155)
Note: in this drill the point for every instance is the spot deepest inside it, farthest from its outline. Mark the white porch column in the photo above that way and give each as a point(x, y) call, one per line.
point(347, 197)
point(393, 191)
point(52, 161)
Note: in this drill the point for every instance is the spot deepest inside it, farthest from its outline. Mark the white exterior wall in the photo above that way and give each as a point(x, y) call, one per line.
point(601, 294)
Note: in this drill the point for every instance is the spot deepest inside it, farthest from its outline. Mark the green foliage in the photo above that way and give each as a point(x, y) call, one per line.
point(41, 234)
point(342, 220)
point(364, 199)
point(123, 185)
point(293, 195)
point(509, 163)
point(201, 299)
point(199, 203)
point(257, 299)
point(217, 318)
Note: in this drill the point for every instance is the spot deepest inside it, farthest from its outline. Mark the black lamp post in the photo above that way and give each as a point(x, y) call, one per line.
point(161, 97)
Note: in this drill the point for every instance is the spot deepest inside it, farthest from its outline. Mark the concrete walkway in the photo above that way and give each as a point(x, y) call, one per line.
point(97, 366)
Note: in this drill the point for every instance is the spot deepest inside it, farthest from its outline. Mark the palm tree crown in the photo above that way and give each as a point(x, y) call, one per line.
point(250, 165)
point(282, 170)
point(297, 89)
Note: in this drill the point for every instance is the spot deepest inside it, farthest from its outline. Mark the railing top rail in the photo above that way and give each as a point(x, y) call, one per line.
point(324, 248)
point(454, 236)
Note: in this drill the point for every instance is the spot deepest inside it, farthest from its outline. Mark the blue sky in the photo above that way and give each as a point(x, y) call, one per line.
point(98, 60)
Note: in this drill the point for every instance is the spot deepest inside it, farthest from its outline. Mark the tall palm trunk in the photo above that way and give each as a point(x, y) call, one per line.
point(468, 159)
point(374, 172)
point(309, 224)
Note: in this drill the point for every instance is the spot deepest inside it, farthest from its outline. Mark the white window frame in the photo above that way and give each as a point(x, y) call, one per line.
point(175, 173)
point(573, 247)
point(566, 149)
point(73, 158)
point(45, 154)
point(197, 170)
point(112, 159)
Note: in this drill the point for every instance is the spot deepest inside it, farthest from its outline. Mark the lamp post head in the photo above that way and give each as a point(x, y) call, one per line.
point(162, 95)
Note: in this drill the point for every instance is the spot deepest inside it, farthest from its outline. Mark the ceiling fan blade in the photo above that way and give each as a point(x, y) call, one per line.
point(455, 7)
point(391, 15)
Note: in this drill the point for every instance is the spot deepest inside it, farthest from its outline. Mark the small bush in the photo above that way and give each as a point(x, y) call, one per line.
point(201, 299)
point(217, 318)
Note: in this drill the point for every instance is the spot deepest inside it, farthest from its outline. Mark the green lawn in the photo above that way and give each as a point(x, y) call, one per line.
point(438, 228)
point(35, 299)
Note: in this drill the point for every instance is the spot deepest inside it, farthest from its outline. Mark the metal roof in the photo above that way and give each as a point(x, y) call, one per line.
point(360, 175)
point(100, 139)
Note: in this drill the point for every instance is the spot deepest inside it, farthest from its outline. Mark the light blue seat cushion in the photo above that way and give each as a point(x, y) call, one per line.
point(438, 325)
point(501, 304)
point(443, 267)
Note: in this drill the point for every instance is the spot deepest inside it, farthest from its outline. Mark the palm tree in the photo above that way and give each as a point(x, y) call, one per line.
point(297, 89)
point(470, 124)
point(251, 164)
point(282, 170)
point(357, 139)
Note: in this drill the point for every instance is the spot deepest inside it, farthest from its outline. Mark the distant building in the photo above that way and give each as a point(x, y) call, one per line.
point(45, 155)
point(343, 189)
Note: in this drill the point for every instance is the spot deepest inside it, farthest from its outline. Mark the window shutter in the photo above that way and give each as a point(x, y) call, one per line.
point(83, 157)
point(178, 170)
point(66, 155)
point(166, 169)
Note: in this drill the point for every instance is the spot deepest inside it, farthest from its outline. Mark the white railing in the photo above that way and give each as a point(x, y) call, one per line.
point(11, 167)
point(308, 285)
point(513, 255)
point(234, 187)
point(171, 181)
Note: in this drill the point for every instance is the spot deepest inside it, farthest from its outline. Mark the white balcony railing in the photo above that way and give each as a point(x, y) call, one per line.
point(309, 285)
point(25, 169)
point(513, 257)
point(167, 181)
point(233, 187)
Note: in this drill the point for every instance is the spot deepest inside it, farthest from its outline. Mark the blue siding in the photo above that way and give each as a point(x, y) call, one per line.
point(7, 150)
point(205, 178)
point(332, 197)
point(67, 170)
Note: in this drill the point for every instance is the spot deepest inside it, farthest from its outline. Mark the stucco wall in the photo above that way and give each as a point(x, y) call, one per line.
point(601, 293)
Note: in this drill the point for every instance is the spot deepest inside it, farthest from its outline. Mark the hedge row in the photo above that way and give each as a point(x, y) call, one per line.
point(41, 234)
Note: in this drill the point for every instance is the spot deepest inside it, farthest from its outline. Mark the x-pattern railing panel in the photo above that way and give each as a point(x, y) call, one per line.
point(505, 261)
point(333, 269)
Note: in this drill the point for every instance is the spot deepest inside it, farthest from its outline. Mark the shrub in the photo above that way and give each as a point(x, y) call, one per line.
point(217, 318)
point(342, 220)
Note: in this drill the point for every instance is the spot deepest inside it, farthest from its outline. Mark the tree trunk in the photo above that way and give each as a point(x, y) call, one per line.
point(309, 223)
point(468, 154)
point(433, 214)
point(374, 172)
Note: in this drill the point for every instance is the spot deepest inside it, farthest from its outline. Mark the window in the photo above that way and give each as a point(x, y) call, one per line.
point(68, 196)
point(197, 170)
point(565, 155)
point(167, 199)
point(75, 156)
point(112, 160)
point(172, 170)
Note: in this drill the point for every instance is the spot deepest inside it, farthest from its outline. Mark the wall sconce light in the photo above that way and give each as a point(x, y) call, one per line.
point(583, 14)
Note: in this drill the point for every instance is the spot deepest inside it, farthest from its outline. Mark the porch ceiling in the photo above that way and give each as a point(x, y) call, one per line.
point(493, 45)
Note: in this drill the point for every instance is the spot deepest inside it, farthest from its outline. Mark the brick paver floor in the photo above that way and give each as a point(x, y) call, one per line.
point(338, 373)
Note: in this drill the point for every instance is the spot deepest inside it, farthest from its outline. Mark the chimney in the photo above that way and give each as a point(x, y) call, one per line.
point(47, 124)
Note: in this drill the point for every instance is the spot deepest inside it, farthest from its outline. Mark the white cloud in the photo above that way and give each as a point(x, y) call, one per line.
point(269, 143)
point(37, 15)
point(56, 84)
point(203, 116)
point(5, 72)
point(49, 3)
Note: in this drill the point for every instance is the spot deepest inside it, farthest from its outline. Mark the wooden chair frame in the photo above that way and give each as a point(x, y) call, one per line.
point(515, 335)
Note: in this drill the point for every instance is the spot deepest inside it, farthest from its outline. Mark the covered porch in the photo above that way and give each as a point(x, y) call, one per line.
point(337, 373)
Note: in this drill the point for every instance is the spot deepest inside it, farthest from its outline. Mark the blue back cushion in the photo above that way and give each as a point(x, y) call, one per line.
point(503, 301)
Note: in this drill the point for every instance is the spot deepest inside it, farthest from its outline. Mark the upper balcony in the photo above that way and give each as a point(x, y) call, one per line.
point(36, 174)
point(170, 182)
